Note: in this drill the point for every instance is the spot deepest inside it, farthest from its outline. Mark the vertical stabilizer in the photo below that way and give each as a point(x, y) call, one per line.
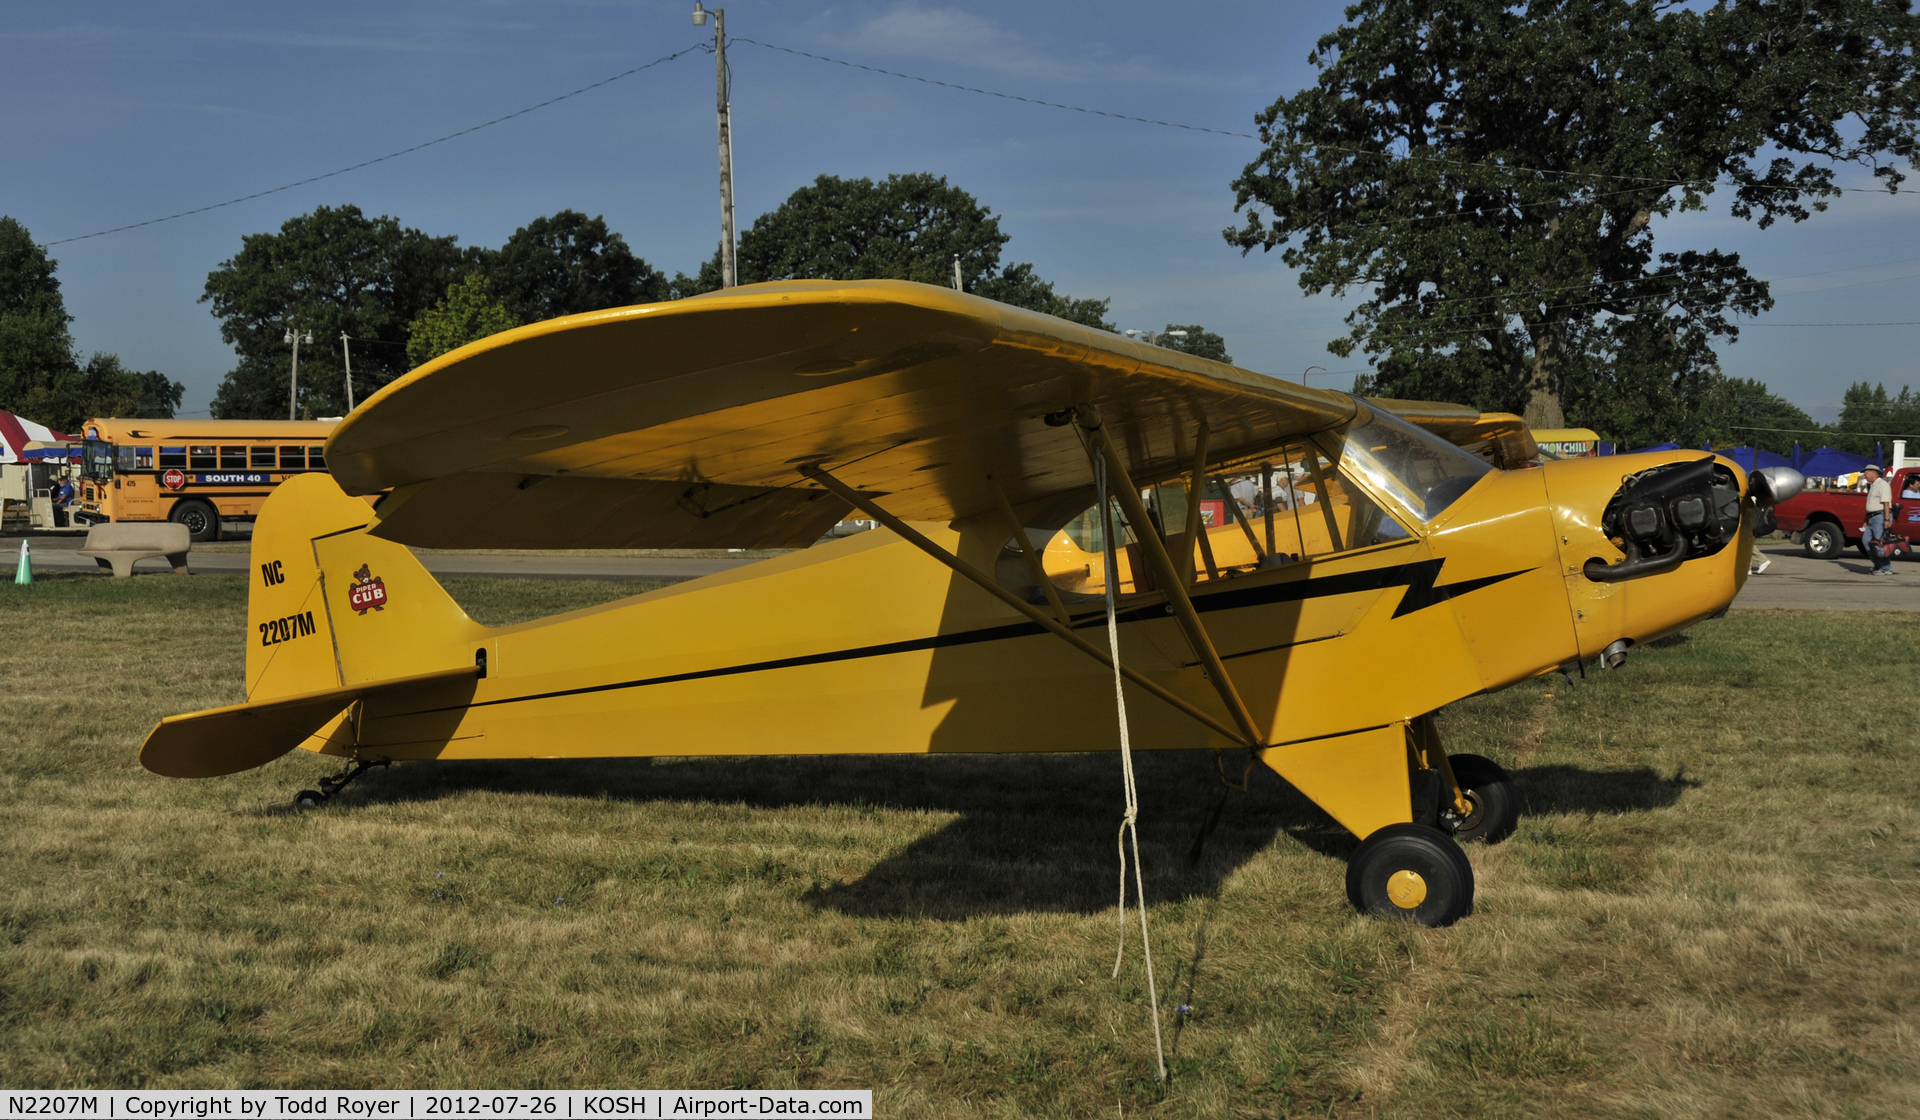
point(333, 607)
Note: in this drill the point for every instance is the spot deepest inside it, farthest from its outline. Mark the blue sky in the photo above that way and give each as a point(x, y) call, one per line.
point(113, 113)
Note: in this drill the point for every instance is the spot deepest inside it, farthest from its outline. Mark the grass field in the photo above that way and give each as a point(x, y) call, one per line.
point(1711, 907)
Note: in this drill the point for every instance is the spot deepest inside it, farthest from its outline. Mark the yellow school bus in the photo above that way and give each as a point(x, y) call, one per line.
point(196, 472)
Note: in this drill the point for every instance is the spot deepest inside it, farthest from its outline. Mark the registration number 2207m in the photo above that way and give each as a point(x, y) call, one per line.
point(276, 630)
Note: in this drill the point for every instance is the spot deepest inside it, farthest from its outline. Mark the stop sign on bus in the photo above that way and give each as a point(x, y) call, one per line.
point(174, 479)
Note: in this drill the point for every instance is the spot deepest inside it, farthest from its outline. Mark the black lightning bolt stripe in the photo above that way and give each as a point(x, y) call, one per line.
point(1418, 578)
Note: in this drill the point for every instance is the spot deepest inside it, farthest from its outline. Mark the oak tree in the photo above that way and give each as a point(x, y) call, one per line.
point(42, 376)
point(1491, 175)
point(329, 272)
point(566, 264)
point(906, 227)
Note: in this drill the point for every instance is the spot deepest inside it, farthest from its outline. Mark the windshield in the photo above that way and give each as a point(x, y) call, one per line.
point(97, 459)
point(1422, 471)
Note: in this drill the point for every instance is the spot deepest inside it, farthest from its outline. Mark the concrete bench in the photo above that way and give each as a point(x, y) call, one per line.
point(119, 546)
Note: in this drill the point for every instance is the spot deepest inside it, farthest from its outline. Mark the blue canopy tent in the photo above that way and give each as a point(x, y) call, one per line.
point(1828, 463)
point(1656, 447)
point(1753, 458)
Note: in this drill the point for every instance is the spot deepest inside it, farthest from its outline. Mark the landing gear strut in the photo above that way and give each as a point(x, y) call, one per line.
point(330, 787)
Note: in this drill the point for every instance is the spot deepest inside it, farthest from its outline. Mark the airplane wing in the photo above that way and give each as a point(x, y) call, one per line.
point(685, 424)
point(1500, 436)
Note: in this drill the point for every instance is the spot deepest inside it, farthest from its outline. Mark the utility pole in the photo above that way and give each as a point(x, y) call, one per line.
point(729, 265)
point(346, 352)
point(956, 273)
point(293, 385)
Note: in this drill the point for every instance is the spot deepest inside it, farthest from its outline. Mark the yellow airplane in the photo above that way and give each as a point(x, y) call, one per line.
point(1398, 556)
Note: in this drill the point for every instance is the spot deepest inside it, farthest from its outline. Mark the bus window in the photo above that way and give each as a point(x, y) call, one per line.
point(293, 458)
point(233, 458)
point(260, 458)
point(316, 459)
point(202, 458)
point(130, 459)
point(173, 456)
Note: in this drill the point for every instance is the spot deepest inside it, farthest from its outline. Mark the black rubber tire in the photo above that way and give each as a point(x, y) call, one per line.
point(308, 799)
point(1823, 540)
point(1440, 869)
point(1490, 788)
point(202, 523)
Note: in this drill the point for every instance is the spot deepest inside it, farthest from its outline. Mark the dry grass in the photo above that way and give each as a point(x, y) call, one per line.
point(1710, 909)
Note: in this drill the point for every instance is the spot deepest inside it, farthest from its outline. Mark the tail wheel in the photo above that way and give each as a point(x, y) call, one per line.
point(1489, 789)
point(201, 522)
point(1824, 540)
point(309, 799)
point(1411, 871)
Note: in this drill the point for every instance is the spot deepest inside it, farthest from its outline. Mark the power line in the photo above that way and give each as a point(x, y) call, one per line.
point(1354, 150)
point(1823, 432)
point(995, 93)
point(1645, 180)
point(389, 155)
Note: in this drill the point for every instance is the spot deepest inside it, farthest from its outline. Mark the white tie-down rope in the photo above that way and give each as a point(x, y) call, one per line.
point(1129, 829)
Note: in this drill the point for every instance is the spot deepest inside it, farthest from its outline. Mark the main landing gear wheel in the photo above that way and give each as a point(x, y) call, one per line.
point(1411, 871)
point(1489, 789)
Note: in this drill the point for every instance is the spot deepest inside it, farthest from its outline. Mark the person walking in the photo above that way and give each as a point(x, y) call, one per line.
point(1879, 509)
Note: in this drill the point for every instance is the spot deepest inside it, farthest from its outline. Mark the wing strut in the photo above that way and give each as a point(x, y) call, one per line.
point(1170, 578)
point(1196, 490)
point(986, 583)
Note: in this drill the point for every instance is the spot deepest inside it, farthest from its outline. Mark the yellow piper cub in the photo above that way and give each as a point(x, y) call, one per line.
point(1393, 565)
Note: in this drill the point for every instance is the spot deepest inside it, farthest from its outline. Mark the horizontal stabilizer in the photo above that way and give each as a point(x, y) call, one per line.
point(242, 736)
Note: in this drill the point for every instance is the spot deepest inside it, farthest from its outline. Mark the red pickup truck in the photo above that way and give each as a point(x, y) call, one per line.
point(1830, 520)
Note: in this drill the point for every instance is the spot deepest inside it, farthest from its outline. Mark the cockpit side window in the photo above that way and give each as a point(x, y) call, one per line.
point(1281, 507)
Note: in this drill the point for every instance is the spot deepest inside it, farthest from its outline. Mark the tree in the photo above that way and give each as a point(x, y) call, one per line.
point(1018, 286)
point(567, 264)
point(34, 340)
point(330, 272)
point(1870, 416)
point(1198, 341)
point(1756, 416)
point(1492, 171)
point(41, 376)
point(908, 227)
point(469, 313)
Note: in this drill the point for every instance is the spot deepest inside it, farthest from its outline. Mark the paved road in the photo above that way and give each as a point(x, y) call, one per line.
point(61, 553)
point(1793, 582)
point(1796, 581)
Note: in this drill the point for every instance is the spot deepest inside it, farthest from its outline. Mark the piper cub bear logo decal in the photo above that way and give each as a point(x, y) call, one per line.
point(367, 592)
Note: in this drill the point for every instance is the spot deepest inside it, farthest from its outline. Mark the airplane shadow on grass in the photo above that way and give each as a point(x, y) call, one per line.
point(1033, 832)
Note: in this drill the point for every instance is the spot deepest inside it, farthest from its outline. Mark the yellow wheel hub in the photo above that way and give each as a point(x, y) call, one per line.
point(1406, 889)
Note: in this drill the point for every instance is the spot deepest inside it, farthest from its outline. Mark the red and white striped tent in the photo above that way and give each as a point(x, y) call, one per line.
point(16, 433)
